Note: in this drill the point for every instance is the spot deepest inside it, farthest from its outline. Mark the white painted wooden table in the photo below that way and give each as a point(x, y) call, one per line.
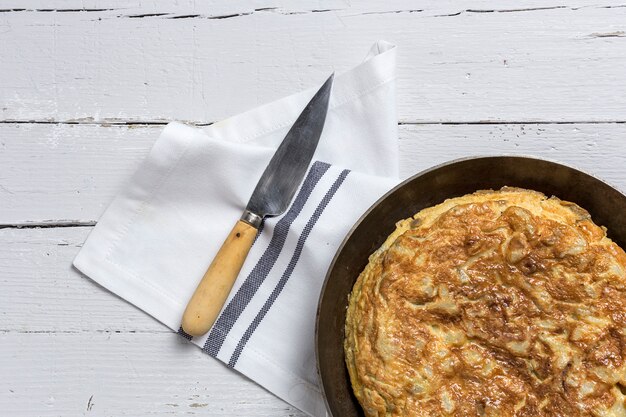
point(86, 86)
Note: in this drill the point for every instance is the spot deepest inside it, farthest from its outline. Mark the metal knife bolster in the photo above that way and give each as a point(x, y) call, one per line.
point(251, 218)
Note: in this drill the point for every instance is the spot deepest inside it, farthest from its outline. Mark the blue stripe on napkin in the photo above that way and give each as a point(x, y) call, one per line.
point(290, 267)
point(239, 302)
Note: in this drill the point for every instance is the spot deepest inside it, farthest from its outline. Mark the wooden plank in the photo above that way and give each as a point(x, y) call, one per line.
point(471, 62)
point(70, 173)
point(215, 8)
point(66, 172)
point(42, 292)
point(599, 149)
point(109, 374)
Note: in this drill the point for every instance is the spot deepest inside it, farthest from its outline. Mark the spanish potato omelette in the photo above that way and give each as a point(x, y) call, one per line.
point(497, 303)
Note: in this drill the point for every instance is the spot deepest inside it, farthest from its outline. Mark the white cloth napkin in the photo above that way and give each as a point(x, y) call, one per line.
point(157, 238)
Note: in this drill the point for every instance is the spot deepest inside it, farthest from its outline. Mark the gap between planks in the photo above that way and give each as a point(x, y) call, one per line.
point(48, 224)
point(140, 123)
point(5, 331)
point(286, 12)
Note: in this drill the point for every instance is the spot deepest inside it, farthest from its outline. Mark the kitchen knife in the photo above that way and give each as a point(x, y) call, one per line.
point(271, 197)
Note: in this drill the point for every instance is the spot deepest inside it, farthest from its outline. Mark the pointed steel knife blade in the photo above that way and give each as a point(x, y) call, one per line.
point(279, 182)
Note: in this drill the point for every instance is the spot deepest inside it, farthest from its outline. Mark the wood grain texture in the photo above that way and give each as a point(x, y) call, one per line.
point(122, 374)
point(68, 165)
point(473, 61)
point(599, 149)
point(43, 293)
point(70, 173)
point(86, 85)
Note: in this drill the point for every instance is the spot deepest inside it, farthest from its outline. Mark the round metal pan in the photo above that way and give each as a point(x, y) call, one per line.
point(606, 205)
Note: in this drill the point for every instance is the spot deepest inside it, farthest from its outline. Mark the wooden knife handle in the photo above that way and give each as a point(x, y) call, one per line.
point(212, 291)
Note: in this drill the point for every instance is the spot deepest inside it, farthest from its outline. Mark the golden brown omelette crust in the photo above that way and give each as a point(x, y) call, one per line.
point(497, 303)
